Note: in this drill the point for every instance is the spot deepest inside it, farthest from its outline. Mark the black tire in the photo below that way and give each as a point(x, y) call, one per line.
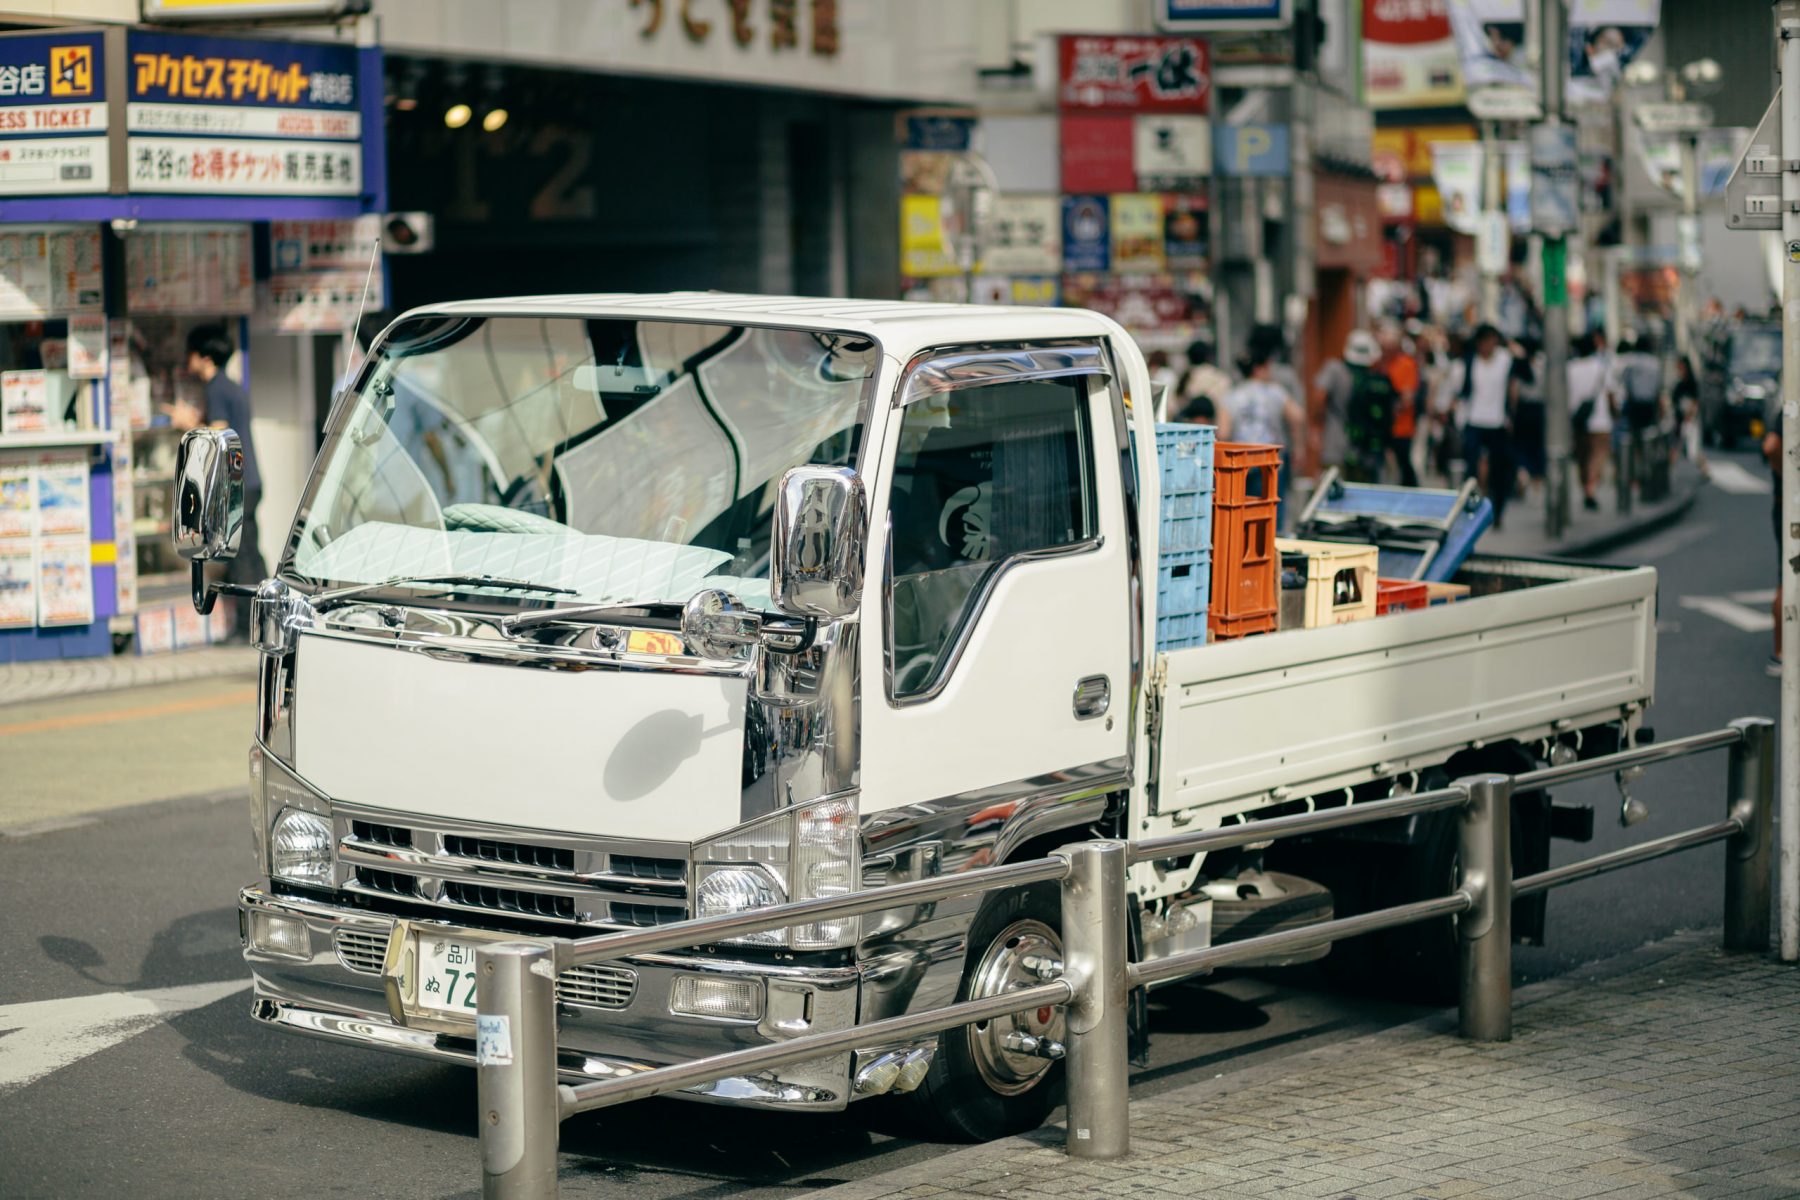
point(956, 1102)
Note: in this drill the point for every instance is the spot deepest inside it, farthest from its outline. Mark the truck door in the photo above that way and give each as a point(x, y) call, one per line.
point(997, 673)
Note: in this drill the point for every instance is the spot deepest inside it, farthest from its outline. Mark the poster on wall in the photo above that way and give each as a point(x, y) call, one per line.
point(18, 583)
point(1024, 236)
point(1041, 291)
point(1170, 152)
point(62, 497)
point(1137, 233)
point(198, 270)
point(18, 510)
point(1087, 228)
point(1184, 231)
point(923, 253)
point(87, 346)
point(1134, 74)
point(65, 582)
point(319, 272)
point(1409, 55)
point(24, 401)
point(49, 270)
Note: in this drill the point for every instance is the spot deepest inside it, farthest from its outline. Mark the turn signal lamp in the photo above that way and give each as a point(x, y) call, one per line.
point(717, 997)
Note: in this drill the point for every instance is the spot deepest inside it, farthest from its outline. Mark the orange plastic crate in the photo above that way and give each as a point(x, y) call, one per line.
point(1245, 473)
point(1399, 595)
point(1245, 569)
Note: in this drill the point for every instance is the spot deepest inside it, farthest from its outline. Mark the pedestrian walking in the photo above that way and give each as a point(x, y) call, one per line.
point(1491, 391)
point(1443, 373)
point(1637, 381)
point(1590, 414)
point(1684, 398)
point(1402, 371)
point(1771, 448)
point(226, 406)
point(1529, 416)
point(1260, 410)
point(1369, 412)
point(1204, 386)
point(1329, 412)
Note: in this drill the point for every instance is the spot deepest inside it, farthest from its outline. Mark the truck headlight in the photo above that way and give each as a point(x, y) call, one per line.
point(300, 848)
point(806, 852)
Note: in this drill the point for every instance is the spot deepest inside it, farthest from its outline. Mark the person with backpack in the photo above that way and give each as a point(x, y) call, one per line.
point(1637, 379)
point(1369, 409)
point(1402, 371)
point(1200, 396)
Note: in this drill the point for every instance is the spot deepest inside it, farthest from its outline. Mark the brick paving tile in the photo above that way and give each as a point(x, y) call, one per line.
point(1672, 1071)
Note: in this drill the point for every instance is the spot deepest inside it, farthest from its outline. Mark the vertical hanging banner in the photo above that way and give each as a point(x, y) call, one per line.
point(1137, 234)
point(1456, 171)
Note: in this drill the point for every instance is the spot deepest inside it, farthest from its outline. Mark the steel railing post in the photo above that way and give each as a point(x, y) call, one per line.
point(1750, 800)
point(1484, 932)
point(1093, 917)
point(515, 1073)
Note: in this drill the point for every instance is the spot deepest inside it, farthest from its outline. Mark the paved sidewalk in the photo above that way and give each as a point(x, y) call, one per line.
point(1674, 1070)
point(1591, 534)
point(22, 683)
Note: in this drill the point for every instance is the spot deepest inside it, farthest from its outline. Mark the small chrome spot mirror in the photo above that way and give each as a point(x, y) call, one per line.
point(209, 503)
point(821, 537)
point(715, 624)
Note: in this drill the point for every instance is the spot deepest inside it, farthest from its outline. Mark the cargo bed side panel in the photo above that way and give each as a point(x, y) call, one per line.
point(1308, 709)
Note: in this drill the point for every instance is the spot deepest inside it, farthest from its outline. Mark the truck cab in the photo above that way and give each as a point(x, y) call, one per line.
point(603, 612)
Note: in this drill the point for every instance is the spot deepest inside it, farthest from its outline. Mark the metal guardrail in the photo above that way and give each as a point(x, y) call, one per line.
point(522, 1104)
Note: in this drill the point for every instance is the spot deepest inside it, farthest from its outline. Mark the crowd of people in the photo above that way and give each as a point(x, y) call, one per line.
point(1408, 402)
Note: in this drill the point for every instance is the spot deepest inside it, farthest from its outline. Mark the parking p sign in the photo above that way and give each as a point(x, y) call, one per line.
point(1250, 150)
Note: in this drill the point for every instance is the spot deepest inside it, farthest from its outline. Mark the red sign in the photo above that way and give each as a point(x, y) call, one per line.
point(1134, 74)
point(1096, 153)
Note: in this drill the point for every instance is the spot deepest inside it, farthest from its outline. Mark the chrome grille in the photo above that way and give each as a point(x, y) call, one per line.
point(362, 950)
point(464, 867)
point(596, 986)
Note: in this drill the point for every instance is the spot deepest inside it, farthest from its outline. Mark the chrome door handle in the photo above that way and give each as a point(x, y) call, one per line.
point(1093, 696)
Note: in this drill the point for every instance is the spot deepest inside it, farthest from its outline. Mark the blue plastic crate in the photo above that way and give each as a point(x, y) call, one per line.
point(1181, 631)
point(1185, 457)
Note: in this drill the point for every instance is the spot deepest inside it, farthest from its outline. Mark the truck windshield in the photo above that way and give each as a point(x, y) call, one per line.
point(631, 462)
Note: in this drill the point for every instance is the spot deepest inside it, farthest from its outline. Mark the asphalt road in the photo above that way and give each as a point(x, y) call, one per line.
point(128, 1065)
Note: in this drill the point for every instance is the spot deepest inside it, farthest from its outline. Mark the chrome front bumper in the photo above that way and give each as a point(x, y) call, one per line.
point(322, 996)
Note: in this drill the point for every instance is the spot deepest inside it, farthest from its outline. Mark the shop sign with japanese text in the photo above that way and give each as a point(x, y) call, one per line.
point(1134, 74)
point(220, 116)
point(53, 114)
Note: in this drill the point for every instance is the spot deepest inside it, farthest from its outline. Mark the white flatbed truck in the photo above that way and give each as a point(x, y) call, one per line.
point(601, 612)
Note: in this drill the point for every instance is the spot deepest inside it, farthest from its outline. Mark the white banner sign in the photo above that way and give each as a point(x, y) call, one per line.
point(243, 166)
point(34, 166)
point(226, 121)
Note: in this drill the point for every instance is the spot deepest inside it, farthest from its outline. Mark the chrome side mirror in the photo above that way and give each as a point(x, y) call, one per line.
point(715, 624)
point(821, 537)
point(208, 511)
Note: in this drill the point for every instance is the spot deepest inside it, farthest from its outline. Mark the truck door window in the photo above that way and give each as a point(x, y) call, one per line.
point(985, 477)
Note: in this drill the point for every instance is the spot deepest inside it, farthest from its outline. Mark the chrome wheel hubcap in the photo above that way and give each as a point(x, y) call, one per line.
point(1010, 964)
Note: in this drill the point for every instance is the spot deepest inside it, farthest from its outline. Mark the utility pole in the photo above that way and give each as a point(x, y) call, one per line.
point(1788, 25)
point(1493, 218)
point(1557, 436)
point(1688, 242)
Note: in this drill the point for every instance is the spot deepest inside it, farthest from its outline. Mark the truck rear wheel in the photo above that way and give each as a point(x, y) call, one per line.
point(982, 1085)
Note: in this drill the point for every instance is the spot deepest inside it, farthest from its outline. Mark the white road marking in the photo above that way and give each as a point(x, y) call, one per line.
point(1729, 476)
point(1738, 616)
point(1765, 597)
point(47, 1035)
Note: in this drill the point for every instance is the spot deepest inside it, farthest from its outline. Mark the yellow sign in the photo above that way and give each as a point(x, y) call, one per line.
point(922, 250)
point(654, 641)
point(71, 70)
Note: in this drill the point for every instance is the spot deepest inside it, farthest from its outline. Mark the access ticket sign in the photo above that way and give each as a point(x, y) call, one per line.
point(186, 115)
point(53, 114)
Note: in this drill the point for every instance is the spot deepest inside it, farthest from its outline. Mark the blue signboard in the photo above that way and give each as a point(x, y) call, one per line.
point(1245, 150)
point(1087, 233)
point(53, 114)
point(1201, 16)
point(223, 116)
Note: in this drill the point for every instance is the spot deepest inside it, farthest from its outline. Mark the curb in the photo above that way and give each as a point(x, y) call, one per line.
point(1665, 514)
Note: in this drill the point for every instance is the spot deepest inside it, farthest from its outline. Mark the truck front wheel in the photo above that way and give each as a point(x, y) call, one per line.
point(996, 1078)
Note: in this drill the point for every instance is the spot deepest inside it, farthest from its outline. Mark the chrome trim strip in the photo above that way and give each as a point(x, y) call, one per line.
point(974, 368)
point(411, 860)
point(464, 647)
point(1138, 651)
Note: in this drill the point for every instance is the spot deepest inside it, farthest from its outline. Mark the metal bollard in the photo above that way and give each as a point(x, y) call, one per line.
point(1093, 916)
point(515, 1073)
point(1750, 797)
point(1484, 932)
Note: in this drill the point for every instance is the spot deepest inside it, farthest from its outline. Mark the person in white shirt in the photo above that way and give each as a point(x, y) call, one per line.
point(1492, 392)
point(1591, 404)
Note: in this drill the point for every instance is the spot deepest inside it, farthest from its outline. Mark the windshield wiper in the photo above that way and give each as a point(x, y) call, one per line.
point(331, 599)
point(576, 612)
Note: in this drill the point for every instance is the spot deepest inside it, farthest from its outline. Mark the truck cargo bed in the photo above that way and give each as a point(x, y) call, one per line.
point(1538, 646)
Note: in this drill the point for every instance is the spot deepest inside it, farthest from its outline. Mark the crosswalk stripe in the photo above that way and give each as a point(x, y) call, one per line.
point(1729, 476)
point(1736, 615)
point(47, 1035)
